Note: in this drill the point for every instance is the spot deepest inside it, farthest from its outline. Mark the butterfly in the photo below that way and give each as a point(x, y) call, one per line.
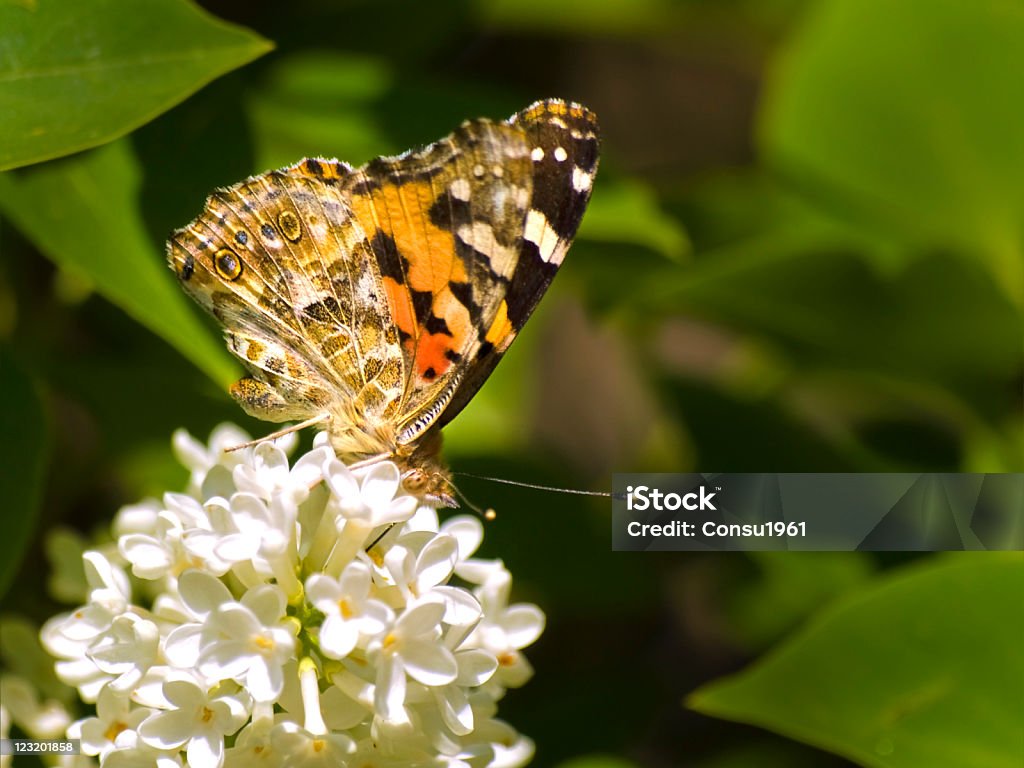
point(377, 300)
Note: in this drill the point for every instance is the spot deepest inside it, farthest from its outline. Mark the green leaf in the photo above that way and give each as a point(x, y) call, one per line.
point(319, 105)
point(626, 211)
point(24, 450)
point(924, 668)
point(906, 117)
point(78, 73)
point(786, 589)
point(83, 213)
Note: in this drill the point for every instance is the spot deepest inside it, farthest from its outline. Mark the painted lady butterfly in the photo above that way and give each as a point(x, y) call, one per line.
point(380, 298)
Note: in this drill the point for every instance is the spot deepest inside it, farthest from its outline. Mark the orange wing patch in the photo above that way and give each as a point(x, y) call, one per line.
point(425, 268)
point(428, 250)
point(501, 332)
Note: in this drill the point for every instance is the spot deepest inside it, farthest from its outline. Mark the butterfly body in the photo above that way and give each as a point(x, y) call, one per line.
point(382, 297)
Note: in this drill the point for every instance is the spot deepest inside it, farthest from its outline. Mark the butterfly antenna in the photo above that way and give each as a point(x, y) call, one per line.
point(486, 514)
point(536, 487)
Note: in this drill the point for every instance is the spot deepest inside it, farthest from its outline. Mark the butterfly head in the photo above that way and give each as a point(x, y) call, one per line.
point(434, 486)
point(423, 471)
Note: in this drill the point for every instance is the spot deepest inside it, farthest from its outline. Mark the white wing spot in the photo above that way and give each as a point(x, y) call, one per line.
point(581, 180)
point(480, 237)
point(460, 189)
point(498, 171)
point(537, 154)
point(478, 170)
point(560, 154)
point(539, 232)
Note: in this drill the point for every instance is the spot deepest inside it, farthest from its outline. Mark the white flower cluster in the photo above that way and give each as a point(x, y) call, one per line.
point(293, 615)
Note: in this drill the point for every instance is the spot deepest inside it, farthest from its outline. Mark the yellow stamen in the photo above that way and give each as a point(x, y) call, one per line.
point(345, 608)
point(113, 730)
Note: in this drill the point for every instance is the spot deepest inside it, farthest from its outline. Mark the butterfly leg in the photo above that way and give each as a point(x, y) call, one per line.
point(323, 417)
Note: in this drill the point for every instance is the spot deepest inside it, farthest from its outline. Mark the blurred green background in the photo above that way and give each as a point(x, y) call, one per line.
point(805, 252)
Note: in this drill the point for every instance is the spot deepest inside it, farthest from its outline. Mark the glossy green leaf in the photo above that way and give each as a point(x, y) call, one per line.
point(78, 73)
point(923, 668)
point(906, 117)
point(83, 213)
point(24, 449)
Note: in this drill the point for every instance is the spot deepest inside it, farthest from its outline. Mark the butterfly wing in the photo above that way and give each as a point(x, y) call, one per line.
point(563, 141)
point(282, 263)
point(386, 295)
point(468, 233)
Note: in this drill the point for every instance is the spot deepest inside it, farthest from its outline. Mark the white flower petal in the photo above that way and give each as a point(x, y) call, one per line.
point(308, 470)
point(236, 548)
point(467, 530)
point(205, 750)
point(461, 608)
point(476, 667)
point(479, 571)
point(401, 564)
point(340, 479)
point(429, 663)
point(188, 450)
point(389, 696)
point(420, 617)
point(355, 580)
point(267, 603)
point(185, 511)
point(101, 574)
point(523, 624)
point(398, 511)
point(436, 562)
point(455, 710)
point(202, 593)
point(376, 618)
point(380, 484)
point(323, 592)
point(264, 680)
point(167, 730)
point(150, 559)
point(181, 646)
point(338, 637)
point(341, 712)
